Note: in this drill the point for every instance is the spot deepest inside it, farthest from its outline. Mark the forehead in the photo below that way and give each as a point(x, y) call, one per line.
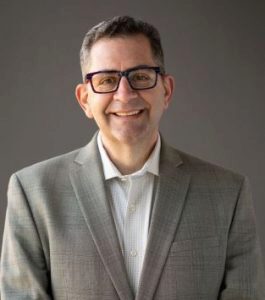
point(120, 53)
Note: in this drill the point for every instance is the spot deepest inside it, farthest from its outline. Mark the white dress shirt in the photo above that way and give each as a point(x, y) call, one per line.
point(130, 199)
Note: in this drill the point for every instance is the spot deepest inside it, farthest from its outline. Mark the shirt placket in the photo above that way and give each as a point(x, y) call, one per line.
point(132, 240)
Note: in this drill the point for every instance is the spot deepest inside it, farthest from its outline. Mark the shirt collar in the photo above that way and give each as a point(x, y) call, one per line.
point(111, 171)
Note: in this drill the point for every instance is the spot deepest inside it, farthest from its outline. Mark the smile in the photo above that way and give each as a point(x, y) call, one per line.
point(129, 113)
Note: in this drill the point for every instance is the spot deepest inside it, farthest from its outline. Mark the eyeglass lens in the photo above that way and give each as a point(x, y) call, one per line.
point(138, 79)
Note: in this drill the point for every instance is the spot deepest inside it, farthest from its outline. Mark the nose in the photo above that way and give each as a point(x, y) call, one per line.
point(124, 92)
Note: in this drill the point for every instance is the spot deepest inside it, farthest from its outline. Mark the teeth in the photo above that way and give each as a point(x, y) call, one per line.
point(131, 113)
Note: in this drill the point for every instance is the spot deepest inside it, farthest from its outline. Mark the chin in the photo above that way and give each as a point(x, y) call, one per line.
point(127, 139)
point(131, 138)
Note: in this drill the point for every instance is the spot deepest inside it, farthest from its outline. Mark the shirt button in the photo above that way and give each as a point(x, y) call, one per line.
point(132, 208)
point(124, 178)
point(133, 253)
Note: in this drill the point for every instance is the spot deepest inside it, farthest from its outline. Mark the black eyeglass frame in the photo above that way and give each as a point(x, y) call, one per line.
point(125, 73)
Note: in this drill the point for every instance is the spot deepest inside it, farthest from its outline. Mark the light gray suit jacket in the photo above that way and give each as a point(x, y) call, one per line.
point(60, 240)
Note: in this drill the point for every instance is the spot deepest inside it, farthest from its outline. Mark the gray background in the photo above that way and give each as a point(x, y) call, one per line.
point(215, 50)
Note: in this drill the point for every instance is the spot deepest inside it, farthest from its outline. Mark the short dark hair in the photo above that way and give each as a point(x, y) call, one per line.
point(123, 26)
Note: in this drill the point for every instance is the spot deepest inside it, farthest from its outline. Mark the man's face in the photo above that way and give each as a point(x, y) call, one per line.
point(126, 116)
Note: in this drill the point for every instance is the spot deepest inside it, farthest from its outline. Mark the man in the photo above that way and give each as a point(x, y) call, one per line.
point(127, 216)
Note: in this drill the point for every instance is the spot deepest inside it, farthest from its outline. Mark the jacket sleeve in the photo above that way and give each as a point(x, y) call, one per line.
point(244, 273)
point(24, 272)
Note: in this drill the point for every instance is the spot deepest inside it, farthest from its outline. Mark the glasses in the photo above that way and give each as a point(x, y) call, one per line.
point(140, 78)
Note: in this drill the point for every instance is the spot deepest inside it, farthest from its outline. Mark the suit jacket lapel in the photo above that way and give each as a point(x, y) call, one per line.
point(169, 201)
point(87, 179)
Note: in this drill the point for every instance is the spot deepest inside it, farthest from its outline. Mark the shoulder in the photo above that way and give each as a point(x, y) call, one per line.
point(45, 173)
point(56, 169)
point(202, 171)
point(60, 161)
point(212, 184)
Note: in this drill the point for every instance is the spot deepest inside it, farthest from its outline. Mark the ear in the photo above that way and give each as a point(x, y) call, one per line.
point(82, 98)
point(169, 85)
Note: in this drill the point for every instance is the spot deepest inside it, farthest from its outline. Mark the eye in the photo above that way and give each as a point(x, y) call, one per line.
point(107, 80)
point(140, 76)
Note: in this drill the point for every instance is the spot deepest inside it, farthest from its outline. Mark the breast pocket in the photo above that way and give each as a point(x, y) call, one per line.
point(202, 244)
point(204, 254)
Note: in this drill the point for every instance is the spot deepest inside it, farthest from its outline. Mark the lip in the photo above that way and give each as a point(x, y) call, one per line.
point(128, 114)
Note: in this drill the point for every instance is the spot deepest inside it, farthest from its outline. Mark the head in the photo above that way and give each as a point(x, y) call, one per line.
point(125, 115)
point(121, 26)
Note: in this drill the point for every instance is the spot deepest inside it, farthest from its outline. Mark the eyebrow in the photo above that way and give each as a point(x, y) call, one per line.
point(129, 69)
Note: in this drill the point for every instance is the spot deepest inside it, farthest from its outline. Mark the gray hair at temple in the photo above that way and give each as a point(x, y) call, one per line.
point(122, 26)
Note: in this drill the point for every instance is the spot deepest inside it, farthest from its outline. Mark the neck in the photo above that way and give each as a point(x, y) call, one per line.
point(129, 158)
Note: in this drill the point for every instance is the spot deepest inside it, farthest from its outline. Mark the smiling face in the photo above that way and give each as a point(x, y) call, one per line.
point(126, 116)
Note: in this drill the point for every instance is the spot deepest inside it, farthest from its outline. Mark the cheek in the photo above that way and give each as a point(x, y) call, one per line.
point(97, 108)
point(160, 104)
